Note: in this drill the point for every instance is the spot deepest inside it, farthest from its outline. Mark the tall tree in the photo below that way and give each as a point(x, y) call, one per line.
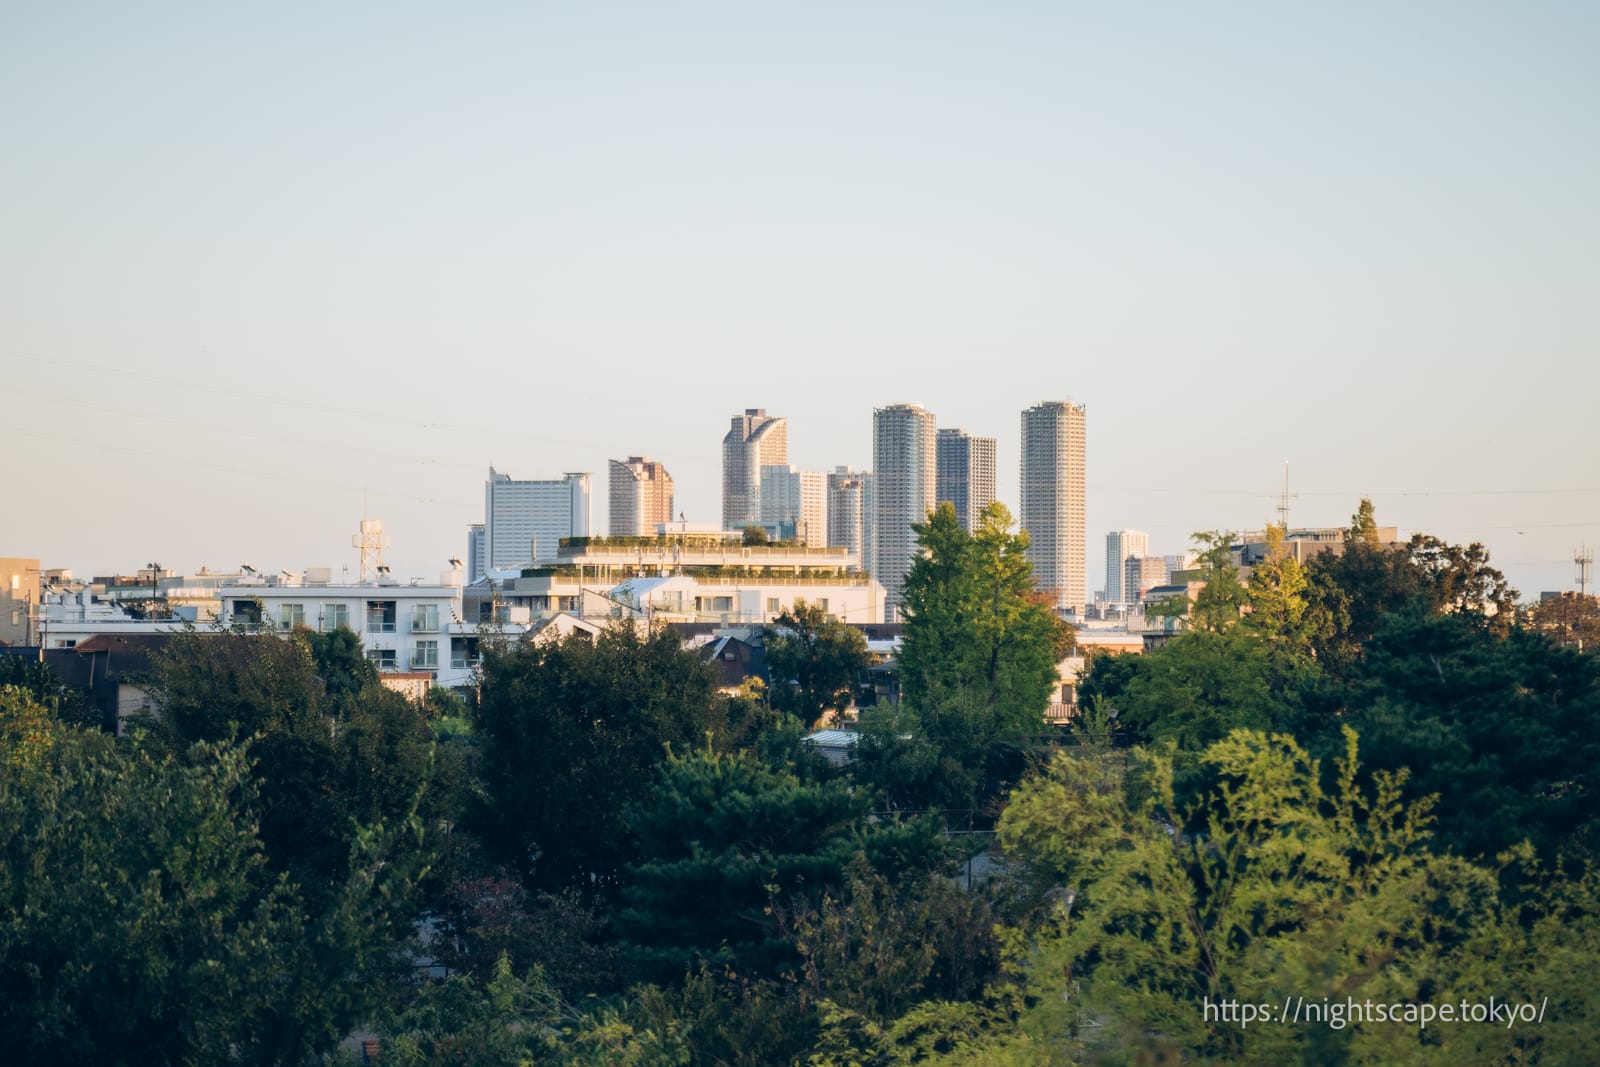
point(721, 834)
point(972, 622)
point(814, 660)
point(571, 733)
point(1571, 620)
point(142, 925)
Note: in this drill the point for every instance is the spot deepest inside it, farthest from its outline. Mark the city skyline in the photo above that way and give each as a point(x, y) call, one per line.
point(1359, 240)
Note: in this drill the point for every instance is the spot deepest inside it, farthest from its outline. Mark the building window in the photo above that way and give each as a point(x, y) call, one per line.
point(772, 605)
point(425, 657)
point(822, 602)
point(425, 619)
point(291, 616)
point(247, 612)
point(380, 616)
point(382, 658)
point(335, 616)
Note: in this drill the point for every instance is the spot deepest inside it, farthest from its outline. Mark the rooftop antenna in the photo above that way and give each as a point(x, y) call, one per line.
point(1584, 560)
point(371, 541)
point(1283, 498)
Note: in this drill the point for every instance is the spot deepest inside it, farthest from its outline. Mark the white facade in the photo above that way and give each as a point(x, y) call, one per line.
point(687, 598)
point(965, 474)
point(797, 498)
point(904, 469)
point(1142, 574)
point(850, 514)
point(525, 521)
point(1120, 544)
point(1053, 510)
point(755, 440)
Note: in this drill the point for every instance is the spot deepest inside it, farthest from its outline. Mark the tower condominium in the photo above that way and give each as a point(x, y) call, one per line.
point(1120, 544)
point(966, 475)
point(524, 521)
point(755, 440)
point(904, 459)
point(1053, 510)
point(641, 496)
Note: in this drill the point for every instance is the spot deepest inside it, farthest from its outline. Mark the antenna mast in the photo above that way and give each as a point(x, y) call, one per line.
point(371, 541)
point(1584, 560)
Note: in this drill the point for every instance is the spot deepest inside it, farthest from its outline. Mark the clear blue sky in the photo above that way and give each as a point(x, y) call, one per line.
point(255, 261)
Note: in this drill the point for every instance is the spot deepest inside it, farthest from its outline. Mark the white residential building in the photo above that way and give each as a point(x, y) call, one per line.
point(1120, 544)
point(850, 514)
point(904, 469)
point(1053, 508)
point(526, 520)
point(795, 499)
point(965, 474)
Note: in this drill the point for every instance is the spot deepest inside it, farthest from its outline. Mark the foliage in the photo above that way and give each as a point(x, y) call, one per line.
point(972, 621)
point(1274, 885)
point(1569, 619)
point(1507, 730)
point(140, 920)
point(333, 749)
point(720, 834)
point(754, 536)
point(814, 660)
point(571, 733)
point(485, 920)
point(65, 704)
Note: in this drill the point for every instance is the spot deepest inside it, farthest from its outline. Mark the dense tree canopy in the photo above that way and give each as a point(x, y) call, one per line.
point(814, 660)
point(572, 732)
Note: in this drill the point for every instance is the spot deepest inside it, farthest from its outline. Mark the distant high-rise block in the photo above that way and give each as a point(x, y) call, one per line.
point(965, 475)
point(641, 496)
point(476, 552)
point(1053, 509)
point(795, 499)
point(850, 514)
point(1120, 544)
point(1142, 574)
point(525, 521)
point(904, 473)
point(754, 441)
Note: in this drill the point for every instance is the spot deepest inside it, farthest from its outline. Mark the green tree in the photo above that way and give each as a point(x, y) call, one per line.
point(1222, 599)
point(814, 660)
point(65, 704)
point(1274, 884)
point(139, 922)
point(1569, 619)
point(331, 752)
point(571, 733)
point(1505, 731)
point(721, 834)
point(973, 623)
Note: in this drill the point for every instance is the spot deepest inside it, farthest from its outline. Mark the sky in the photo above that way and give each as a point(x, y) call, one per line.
point(266, 269)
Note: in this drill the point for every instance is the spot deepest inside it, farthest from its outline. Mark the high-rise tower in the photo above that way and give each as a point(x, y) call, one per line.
point(525, 521)
point(1120, 544)
point(904, 469)
point(754, 441)
point(1053, 510)
point(966, 475)
point(641, 496)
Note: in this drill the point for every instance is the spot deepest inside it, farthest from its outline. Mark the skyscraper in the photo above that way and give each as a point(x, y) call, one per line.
point(796, 500)
point(904, 466)
point(755, 440)
point(1053, 500)
point(850, 514)
point(524, 521)
point(1120, 544)
point(641, 496)
point(1142, 574)
point(966, 475)
point(476, 552)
